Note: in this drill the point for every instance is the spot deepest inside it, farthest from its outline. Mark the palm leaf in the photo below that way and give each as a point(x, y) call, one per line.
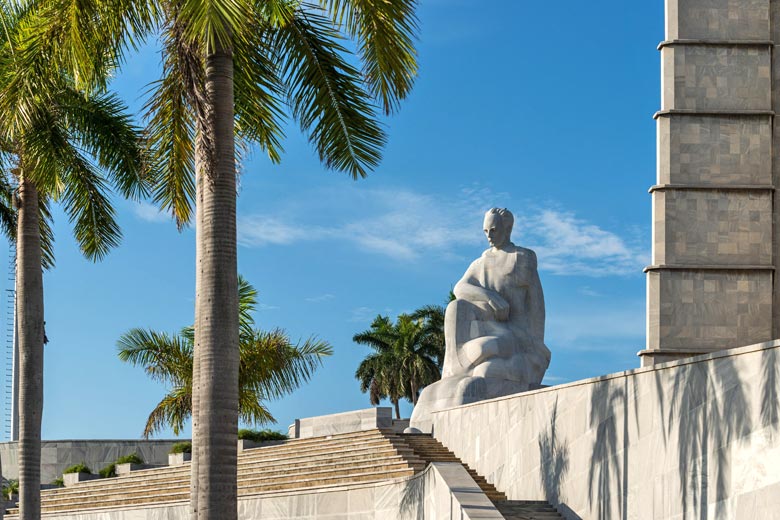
point(326, 94)
point(385, 31)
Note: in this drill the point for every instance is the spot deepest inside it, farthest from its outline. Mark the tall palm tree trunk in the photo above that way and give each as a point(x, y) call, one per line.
point(199, 164)
point(2, 497)
point(217, 306)
point(397, 409)
point(29, 297)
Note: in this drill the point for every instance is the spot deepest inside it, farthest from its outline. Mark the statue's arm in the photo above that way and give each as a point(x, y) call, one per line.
point(469, 289)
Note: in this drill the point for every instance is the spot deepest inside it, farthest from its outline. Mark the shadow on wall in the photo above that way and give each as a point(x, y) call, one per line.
point(554, 464)
point(608, 474)
point(413, 498)
point(554, 459)
point(707, 410)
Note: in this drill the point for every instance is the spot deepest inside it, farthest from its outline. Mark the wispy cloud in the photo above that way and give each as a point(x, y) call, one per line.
point(150, 213)
point(266, 307)
point(567, 245)
point(362, 314)
point(321, 298)
point(409, 226)
point(588, 291)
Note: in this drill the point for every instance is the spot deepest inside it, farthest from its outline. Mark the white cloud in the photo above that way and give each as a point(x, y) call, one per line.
point(409, 226)
point(362, 314)
point(588, 291)
point(150, 213)
point(566, 245)
point(266, 307)
point(320, 298)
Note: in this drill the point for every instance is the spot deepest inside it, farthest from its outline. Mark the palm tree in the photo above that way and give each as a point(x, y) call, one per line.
point(256, 56)
point(60, 145)
point(432, 319)
point(271, 366)
point(405, 359)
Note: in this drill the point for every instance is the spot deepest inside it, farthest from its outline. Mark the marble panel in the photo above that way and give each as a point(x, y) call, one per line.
point(716, 78)
point(717, 19)
point(691, 310)
point(720, 150)
point(712, 227)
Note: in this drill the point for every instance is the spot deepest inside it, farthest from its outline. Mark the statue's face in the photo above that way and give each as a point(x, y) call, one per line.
point(495, 231)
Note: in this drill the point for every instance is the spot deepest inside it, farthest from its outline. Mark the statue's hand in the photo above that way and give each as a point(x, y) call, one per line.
point(500, 306)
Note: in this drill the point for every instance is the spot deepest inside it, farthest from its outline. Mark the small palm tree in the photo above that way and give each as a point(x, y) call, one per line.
point(271, 366)
point(405, 359)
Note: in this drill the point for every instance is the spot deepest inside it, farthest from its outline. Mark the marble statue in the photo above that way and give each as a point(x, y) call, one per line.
point(494, 329)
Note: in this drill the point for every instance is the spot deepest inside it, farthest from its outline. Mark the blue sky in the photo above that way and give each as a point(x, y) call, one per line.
point(544, 108)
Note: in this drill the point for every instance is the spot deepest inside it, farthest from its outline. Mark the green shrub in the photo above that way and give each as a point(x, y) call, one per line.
point(133, 458)
point(108, 472)
point(261, 435)
point(59, 482)
point(77, 468)
point(181, 447)
point(10, 487)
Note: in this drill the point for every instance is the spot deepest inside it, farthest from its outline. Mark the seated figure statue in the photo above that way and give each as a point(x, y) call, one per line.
point(494, 329)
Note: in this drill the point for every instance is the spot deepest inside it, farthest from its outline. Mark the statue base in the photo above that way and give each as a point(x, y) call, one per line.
point(456, 391)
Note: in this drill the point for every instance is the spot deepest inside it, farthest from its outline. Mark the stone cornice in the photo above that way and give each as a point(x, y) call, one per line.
point(712, 187)
point(716, 43)
point(708, 267)
point(710, 112)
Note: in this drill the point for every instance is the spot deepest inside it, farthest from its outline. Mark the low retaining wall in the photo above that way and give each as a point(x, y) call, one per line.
point(345, 422)
point(58, 455)
point(443, 491)
point(696, 438)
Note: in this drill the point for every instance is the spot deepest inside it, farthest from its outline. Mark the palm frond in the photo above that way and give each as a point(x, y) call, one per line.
point(385, 32)
point(99, 123)
point(258, 92)
point(276, 366)
point(172, 411)
point(326, 94)
point(164, 357)
point(216, 22)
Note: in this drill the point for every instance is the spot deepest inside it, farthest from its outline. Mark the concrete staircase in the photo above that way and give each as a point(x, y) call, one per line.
point(431, 450)
point(320, 462)
point(528, 510)
point(313, 463)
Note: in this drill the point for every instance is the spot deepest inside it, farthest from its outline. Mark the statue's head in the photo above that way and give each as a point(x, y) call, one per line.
point(498, 226)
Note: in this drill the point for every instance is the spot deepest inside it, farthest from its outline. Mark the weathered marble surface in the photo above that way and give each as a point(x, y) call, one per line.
point(494, 330)
point(697, 438)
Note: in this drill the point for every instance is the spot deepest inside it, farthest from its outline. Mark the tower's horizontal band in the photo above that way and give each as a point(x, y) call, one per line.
point(723, 113)
point(708, 267)
point(716, 43)
point(712, 187)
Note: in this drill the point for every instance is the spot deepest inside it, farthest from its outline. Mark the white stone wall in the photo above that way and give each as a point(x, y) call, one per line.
point(345, 422)
point(697, 438)
point(58, 455)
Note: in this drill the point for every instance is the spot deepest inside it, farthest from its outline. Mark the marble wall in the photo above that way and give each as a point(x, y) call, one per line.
point(696, 438)
point(58, 455)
